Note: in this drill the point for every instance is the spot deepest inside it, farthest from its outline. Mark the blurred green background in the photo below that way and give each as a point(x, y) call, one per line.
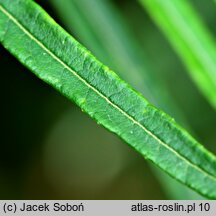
point(51, 150)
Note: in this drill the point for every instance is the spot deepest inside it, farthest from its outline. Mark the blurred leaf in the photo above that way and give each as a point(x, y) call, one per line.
point(54, 56)
point(191, 40)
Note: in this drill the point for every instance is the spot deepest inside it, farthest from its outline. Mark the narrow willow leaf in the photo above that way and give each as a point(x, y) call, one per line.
point(54, 56)
point(90, 21)
point(191, 40)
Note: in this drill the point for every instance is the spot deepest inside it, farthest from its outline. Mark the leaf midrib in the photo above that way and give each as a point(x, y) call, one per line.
point(31, 36)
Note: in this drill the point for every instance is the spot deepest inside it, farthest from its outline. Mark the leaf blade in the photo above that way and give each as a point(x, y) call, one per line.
point(90, 21)
point(63, 63)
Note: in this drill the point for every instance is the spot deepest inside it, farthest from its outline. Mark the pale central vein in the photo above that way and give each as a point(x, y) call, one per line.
point(11, 17)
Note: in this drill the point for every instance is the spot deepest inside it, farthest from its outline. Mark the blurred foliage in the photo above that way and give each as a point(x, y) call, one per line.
point(41, 157)
point(190, 39)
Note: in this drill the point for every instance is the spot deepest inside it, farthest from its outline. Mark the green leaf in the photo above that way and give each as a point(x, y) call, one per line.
point(90, 21)
point(49, 52)
point(191, 40)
